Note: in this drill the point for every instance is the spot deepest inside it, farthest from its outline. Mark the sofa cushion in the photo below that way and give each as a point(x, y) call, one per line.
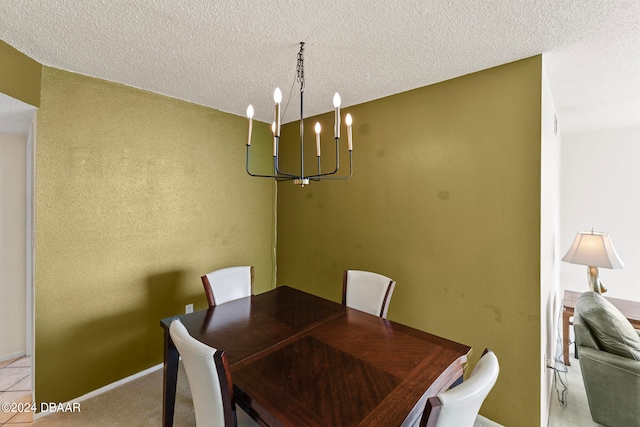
point(612, 331)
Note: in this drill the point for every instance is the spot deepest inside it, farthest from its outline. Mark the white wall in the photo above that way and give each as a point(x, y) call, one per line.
point(549, 242)
point(12, 245)
point(601, 190)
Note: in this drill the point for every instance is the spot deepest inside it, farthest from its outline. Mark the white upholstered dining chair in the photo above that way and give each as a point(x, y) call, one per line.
point(367, 291)
point(459, 406)
point(228, 284)
point(209, 380)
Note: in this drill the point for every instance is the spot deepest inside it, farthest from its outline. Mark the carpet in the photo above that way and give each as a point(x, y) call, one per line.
point(136, 403)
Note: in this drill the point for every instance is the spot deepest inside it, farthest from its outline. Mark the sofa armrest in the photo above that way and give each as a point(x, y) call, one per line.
point(612, 361)
point(612, 384)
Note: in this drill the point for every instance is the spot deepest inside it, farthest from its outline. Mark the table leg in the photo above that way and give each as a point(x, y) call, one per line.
point(566, 314)
point(171, 358)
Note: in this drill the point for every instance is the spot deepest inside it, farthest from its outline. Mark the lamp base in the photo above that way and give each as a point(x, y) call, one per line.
point(594, 280)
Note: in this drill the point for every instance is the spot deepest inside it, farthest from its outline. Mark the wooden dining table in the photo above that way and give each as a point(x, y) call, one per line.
point(300, 360)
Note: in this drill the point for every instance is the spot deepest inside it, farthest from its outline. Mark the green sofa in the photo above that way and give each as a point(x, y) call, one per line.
point(609, 352)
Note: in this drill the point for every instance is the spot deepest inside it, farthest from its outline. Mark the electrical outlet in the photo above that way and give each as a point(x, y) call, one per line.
point(188, 308)
point(549, 363)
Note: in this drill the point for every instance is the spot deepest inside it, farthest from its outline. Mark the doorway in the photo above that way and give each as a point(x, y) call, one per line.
point(17, 149)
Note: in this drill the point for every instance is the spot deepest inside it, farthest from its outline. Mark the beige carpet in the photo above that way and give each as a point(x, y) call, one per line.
point(575, 411)
point(137, 403)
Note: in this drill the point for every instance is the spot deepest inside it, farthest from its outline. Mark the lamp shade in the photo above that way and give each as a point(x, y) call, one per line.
point(594, 249)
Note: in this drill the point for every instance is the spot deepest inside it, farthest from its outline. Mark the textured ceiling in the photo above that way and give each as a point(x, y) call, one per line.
point(227, 54)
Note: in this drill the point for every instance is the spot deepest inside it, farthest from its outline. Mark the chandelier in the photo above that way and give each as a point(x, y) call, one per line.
point(302, 178)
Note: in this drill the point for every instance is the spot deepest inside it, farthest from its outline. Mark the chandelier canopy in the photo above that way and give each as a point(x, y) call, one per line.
point(302, 178)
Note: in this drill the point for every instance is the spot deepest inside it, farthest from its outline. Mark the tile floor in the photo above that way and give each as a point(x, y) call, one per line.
point(15, 387)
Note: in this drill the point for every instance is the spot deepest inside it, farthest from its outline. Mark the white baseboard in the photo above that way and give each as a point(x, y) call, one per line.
point(12, 356)
point(106, 388)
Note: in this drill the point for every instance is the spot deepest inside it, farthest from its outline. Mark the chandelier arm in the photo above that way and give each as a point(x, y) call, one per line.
point(337, 155)
point(276, 163)
point(286, 175)
point(253, 174)
point(335, 177)
point(278, 177)
point(320, 174)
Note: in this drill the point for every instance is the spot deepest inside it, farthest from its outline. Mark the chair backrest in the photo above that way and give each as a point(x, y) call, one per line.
point(367, 291)
point(209, 379)
point(459, 406)
point(228, 284)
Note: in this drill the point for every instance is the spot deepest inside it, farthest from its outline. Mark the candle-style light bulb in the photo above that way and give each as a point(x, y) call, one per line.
point(336, 126)
point(349, 121)
point(277, 98)
point(250, 117)
point(317, 129)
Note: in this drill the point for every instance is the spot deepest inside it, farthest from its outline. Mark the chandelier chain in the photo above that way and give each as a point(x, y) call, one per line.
point(300, 67)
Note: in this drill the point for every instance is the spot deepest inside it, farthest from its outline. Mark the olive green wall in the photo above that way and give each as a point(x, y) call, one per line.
point(19, 75)
point(137, 196)
point(445, 199)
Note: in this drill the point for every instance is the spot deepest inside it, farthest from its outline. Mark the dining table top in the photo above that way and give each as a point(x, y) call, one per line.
point(298, 359)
